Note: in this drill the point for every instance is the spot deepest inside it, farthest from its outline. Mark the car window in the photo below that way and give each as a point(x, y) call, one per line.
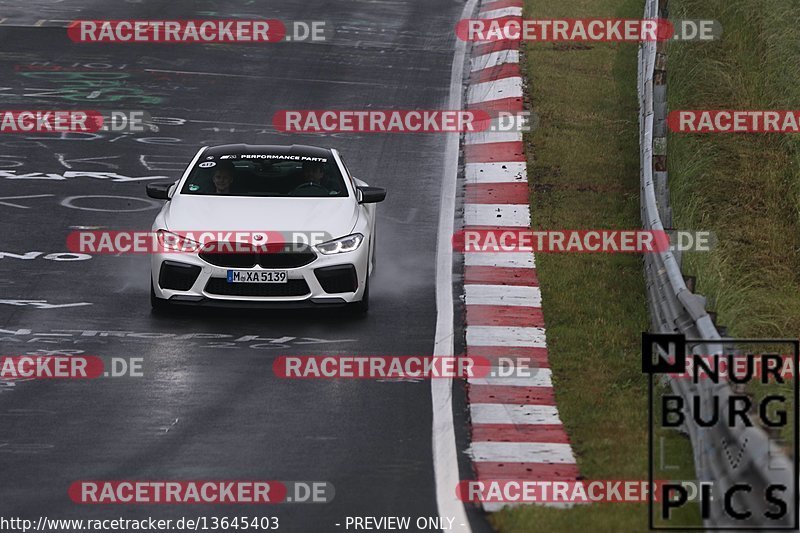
point(266, 175)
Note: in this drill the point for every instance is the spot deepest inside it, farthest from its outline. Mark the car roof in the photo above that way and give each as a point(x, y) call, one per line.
point(294, 149)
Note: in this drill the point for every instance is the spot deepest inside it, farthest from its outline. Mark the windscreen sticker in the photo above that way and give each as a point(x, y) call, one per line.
point(277, 156)
point(207, 164)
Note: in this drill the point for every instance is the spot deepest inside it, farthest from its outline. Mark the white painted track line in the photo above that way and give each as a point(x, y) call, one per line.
point(503, 295)
point(493, 507)
point(495, 90)
point(499, 413)
point(502, 12)
point(495, 173)
point(505, 336)
point(516, 215)
point(494, 59)
point(483, 137)
point(540, 377)
point(522, 452)
point(500, 259)
point(443, 438)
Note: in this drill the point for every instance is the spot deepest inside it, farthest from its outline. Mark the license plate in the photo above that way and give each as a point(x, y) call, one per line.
point(262, 276)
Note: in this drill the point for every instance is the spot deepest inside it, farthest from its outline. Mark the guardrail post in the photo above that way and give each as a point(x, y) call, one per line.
point(660, 176)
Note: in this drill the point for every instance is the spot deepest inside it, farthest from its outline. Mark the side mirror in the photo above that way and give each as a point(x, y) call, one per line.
point(370, 195)
point(159, 191)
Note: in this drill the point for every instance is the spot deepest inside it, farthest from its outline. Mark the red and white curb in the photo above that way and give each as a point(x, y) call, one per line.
point(516, 431)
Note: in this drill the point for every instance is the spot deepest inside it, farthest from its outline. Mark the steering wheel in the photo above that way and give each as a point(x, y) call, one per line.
point(310, 185)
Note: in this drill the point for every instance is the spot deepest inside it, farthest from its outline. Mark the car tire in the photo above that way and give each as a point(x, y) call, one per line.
point(361, 307)
point(159, 305)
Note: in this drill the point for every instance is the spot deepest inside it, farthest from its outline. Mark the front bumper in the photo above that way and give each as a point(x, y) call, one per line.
point(328, 280)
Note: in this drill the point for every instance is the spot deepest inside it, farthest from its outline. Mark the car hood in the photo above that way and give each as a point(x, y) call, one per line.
point(336, 216)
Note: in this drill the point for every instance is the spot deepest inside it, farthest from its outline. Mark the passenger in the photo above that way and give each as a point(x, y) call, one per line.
point(224, 177)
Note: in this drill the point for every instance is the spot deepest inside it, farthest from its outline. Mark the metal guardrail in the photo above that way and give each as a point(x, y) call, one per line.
point(676, 309)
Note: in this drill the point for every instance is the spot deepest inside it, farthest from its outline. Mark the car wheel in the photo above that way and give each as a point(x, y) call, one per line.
point(361, 307)
point(158, 304)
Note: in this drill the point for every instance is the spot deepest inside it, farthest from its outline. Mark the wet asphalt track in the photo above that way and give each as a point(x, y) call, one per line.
point(208, 406)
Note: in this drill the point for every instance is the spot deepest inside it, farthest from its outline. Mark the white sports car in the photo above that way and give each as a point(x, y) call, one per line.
point(300, 192)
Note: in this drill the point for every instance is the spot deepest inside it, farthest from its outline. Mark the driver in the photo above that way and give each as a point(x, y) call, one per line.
point(314, 173)
point(223, 177)
point(314, 183)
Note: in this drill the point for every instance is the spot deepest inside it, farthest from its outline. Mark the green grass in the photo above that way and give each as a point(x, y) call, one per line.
point(743, 187)
point(746, 188)
point(584, 172)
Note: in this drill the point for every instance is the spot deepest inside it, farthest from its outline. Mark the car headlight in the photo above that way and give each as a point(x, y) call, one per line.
point(338, 246)
point(172, 242)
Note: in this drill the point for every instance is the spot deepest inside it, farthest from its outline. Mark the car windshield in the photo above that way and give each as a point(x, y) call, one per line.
point(267, 175)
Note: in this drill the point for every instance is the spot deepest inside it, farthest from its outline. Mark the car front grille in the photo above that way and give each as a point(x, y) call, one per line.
point(289, 256)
